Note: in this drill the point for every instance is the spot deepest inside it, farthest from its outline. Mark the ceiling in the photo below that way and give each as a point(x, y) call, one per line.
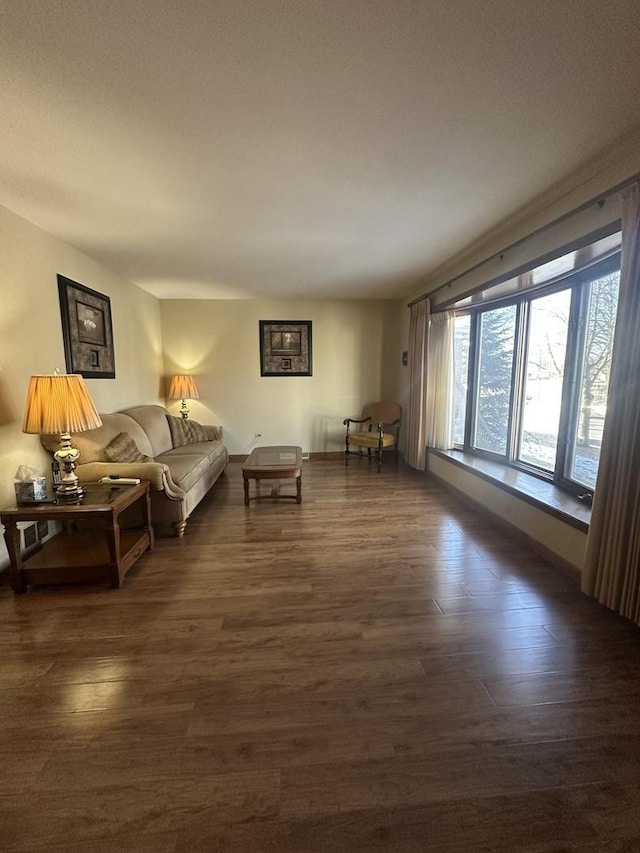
point(300, 148)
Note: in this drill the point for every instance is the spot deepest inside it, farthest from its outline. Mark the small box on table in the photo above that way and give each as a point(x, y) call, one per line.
point(31, 491)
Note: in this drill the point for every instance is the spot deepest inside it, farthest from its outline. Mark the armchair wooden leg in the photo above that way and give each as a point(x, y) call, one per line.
point(346, 453)
point(379, 458)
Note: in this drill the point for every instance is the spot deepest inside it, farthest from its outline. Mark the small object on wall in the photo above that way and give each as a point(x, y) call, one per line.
point(87, 330)
point(405, 358)
point(285, 348)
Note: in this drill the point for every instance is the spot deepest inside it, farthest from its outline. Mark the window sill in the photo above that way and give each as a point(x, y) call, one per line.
point(539, 493)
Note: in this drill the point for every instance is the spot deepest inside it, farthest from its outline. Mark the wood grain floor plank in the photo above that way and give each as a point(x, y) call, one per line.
point(49, 729)
point(486, 770)
point(64, 813)
point(426, 638)
point(282, 711)
point(589, 683)
point(466, 825)
point(157, 843)
point(143, 759)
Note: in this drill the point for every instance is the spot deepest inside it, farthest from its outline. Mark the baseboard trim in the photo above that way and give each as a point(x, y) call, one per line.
point(327, 455)
point(511, 530)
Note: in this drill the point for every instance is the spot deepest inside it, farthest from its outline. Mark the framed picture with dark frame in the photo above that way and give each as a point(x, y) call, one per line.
point(285, 348)
point(86, 330)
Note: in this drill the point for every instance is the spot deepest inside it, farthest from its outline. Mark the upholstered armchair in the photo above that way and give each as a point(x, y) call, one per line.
point(378, 430)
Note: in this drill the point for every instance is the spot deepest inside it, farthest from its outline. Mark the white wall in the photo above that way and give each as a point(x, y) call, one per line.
point(356, 354)
point(31, 336)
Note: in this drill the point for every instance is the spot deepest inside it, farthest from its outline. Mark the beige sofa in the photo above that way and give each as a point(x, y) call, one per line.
point(180, 476)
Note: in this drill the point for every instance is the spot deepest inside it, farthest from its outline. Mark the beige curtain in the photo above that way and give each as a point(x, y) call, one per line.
point(439, 402)
point(415, 432)
point(612, 570)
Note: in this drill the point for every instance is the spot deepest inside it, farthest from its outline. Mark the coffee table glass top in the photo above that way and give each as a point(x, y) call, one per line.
point(285, 456)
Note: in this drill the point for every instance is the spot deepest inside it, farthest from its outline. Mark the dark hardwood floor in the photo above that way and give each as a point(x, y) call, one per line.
point(377, 669)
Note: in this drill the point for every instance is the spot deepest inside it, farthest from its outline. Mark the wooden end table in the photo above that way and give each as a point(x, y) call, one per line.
point(76, 555)
point(273, 463)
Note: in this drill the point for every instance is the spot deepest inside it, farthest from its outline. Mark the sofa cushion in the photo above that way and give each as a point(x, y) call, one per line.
point(186, 468)
point(153, 420)
point(211, 449)
point(187, 464)
point(91, 444)
point(123, 448)
point(184, 431)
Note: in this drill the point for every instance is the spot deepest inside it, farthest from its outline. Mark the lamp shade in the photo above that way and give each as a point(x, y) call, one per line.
point(59, 403)
point(183, 387)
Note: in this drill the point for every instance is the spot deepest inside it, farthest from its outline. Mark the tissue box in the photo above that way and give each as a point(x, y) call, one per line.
point(31, 491)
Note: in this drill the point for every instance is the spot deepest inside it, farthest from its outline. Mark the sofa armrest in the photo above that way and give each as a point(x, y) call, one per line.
point(157, 473)
point(214, 433)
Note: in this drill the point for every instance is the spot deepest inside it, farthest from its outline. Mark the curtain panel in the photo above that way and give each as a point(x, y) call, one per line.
point(439, 399)
point(612, 567)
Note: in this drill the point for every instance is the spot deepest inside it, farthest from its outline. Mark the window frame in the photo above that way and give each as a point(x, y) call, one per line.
point(576, 282)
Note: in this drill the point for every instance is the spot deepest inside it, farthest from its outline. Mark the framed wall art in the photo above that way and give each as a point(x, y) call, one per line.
point(87, 330)
point(285, 348)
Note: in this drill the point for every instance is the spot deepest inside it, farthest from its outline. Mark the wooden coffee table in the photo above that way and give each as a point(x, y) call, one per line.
point(273, 463)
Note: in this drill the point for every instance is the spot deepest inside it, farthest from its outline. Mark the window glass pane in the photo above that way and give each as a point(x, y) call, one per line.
point(593, 385)
point(554, 268)
point(544, 272)
point(544, 371)
point(462, 327)
point(495, 360)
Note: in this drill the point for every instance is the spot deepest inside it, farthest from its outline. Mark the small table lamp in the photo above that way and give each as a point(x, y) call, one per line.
point(60, 404)
point(183, 388)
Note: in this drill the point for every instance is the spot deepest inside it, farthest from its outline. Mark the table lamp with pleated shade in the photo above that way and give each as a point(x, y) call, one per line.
point(183, 387)
point(61, 404)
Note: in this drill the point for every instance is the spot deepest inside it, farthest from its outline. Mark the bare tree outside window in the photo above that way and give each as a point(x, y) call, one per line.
point(595, 369)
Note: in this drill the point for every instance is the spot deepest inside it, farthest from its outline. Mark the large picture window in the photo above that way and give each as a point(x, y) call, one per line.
point(532, 374)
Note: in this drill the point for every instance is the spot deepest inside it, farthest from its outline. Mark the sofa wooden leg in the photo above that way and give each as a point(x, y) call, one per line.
point(179, 527)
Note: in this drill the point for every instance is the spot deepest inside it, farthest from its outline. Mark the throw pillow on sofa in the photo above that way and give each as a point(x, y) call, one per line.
point(183, 431)
point(123, 448)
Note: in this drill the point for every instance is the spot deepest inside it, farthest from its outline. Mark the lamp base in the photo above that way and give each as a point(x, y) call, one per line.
point(69, 491)
point(70, 494)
